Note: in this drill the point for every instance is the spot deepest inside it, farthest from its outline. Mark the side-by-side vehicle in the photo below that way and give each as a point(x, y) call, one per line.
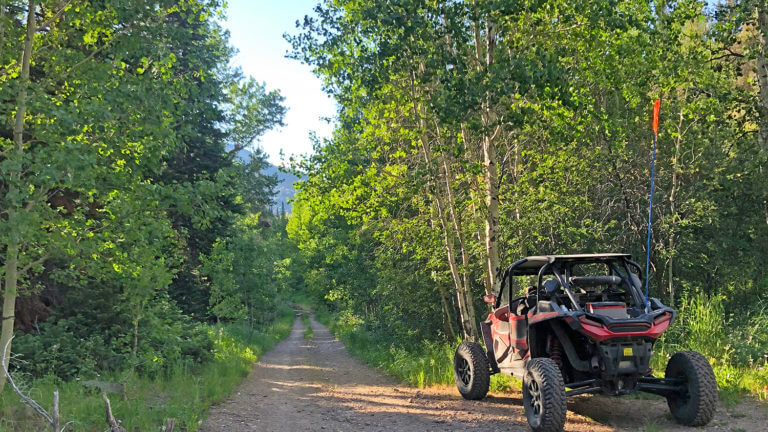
point(583, 326)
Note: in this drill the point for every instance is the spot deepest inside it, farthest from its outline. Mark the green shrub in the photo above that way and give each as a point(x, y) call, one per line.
point(70, 347)
point(701, 325)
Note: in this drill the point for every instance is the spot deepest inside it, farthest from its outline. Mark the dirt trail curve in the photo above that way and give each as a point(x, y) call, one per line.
point(317, 386)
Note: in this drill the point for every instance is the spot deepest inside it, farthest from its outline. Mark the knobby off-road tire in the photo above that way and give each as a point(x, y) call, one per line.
point(696, 405)
point(544, 396)
point(471, 371)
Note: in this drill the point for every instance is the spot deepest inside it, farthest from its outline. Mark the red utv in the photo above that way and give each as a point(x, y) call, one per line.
point(583, 326)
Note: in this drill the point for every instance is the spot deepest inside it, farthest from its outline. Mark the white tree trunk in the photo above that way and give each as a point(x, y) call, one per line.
point(12, 247)
point(762, 80)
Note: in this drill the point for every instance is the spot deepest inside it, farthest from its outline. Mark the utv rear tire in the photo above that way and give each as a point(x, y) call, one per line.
point(696, 405)
point(471, 371)
point(544, 396)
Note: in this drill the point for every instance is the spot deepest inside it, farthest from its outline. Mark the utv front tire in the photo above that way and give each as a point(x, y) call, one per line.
point(471, 371)
point(544, 396)
point(695, 405)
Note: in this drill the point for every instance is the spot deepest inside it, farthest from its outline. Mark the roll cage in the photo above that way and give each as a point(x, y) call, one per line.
point(561, 267)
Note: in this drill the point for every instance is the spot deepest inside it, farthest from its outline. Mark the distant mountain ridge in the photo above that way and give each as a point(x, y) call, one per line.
point(284, 190)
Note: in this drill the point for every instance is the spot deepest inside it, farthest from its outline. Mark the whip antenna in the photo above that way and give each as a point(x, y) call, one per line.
point(655, 125)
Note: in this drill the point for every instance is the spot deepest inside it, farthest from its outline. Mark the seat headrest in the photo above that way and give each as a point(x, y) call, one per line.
point(551, 285)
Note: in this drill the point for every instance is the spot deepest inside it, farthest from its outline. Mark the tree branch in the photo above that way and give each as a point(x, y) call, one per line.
point(114, 426)
point(27, 400)
point(42, 25)
point(236, 149)
point(89, 57)
point(729, 53)
point(36, 262)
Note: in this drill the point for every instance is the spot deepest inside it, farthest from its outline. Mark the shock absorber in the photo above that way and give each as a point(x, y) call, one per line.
point(556, 353)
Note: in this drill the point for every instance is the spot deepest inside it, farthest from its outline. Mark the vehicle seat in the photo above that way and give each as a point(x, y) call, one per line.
point(502, 313)
point(518, 306)
point(530, 297)
point(551, 286)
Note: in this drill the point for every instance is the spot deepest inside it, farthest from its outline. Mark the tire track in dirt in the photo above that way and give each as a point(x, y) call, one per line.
point(317, 386)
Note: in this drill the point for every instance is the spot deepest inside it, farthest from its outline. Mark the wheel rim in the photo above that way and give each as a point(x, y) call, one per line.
point(684, 396)
point(535, 393)
point(463, 370)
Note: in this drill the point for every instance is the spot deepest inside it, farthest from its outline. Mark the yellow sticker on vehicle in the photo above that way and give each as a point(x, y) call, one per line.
point(628, 352)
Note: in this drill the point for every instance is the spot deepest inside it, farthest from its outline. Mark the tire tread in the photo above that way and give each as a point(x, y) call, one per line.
point(704, 409)
point(552, 394)
point(481, 371)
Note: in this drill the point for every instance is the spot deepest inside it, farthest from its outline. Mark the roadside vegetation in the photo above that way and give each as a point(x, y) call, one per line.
point(183, 392)
point(735, 344)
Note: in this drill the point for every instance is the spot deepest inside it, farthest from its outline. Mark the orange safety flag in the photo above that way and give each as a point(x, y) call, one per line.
point(656, 107)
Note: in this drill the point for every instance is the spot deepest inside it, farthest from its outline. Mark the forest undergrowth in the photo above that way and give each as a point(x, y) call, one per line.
point(184, 392)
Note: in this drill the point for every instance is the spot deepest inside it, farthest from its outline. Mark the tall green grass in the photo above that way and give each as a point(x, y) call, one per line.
point(736, 345)
point(185, 393)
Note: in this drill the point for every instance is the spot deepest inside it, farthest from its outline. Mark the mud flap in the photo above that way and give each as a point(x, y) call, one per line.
point(519, 332)
point(485, 329)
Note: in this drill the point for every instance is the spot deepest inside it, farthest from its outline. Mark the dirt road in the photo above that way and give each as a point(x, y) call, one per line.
point(316, 386)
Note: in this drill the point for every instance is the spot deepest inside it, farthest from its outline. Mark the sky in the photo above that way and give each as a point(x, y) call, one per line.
point(256, 29)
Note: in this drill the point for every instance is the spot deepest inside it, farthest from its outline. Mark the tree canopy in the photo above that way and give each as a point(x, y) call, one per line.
point(119, 184)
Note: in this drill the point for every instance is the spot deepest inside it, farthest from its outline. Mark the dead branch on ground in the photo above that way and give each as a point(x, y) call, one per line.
point(53, 420)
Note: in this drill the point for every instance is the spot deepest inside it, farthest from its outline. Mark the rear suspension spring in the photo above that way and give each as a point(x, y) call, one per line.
point(556, 353)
